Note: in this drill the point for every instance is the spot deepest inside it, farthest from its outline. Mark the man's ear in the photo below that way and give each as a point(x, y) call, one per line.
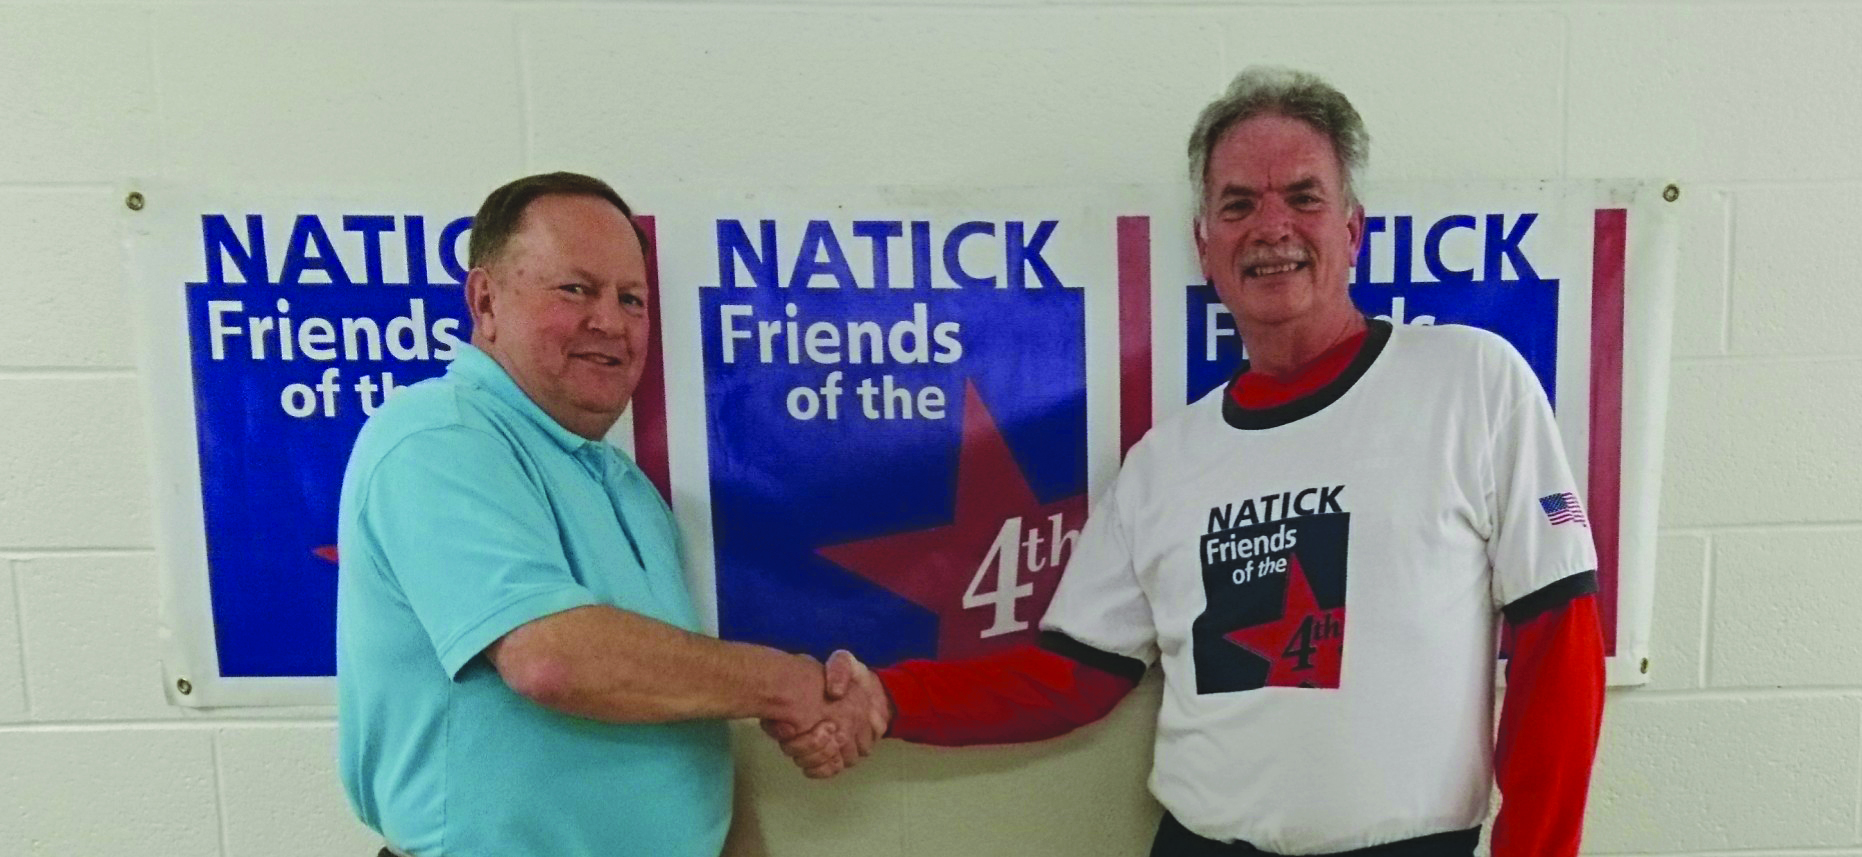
point(479, 303)
point(1355, 228)
point(1202, 247)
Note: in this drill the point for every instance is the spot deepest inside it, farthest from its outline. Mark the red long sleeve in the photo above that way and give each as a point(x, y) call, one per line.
point(1548, 731)
point(1023, 694)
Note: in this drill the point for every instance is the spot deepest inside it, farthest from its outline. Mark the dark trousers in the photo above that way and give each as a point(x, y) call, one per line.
point(1174, 840)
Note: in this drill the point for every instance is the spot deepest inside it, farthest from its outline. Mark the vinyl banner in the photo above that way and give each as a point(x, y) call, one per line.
point(894, 411)
point(880, 415)
point(276, 324)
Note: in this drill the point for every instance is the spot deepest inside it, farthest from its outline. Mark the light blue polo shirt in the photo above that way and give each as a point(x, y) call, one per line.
point(466, 512)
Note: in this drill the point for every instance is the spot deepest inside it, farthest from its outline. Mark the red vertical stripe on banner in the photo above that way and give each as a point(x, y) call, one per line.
point(650, 397)
point(1134, 330)
point(1608, 261)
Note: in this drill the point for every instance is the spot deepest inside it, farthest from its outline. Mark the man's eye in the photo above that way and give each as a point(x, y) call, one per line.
point(574, 288)
point(633, 300)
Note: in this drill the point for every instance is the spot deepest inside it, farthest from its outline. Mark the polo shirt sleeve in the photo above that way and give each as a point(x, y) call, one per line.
point(1540, 533)
point(1099, 601)
point(467, 537)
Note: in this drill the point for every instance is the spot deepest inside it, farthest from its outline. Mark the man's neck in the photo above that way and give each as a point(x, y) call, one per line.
point(1282, 350)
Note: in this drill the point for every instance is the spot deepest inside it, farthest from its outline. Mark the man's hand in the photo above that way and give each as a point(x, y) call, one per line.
point(857, 712)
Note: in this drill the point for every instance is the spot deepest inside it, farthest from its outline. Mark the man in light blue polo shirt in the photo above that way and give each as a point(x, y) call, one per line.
point(520, 669)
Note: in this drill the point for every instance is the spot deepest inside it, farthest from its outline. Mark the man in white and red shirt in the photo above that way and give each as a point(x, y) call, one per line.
point(1317, 554)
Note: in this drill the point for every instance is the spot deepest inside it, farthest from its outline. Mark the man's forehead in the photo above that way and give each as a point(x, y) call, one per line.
point(548, 259)
point(1272, 153)
point(554, 228)
point(1292, 182)
point(568, 214)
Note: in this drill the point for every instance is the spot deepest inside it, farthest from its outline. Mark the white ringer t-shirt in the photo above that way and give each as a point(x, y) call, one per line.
point(1321, 582)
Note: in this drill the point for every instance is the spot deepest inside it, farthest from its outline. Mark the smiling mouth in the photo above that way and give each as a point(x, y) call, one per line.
point(1273, 269)
point(601, 359)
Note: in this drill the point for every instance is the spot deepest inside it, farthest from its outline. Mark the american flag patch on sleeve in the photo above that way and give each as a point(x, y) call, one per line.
point(1563, 508)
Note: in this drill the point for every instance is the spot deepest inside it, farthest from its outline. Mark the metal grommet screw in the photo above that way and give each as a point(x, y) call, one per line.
point(186, 687)
point(1671, 193)
point(1645, 666)
point(135, 202)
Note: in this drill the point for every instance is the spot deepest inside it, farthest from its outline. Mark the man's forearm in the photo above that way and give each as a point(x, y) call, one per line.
point(1548, 731)
point(1021, 694)
point(607, 664)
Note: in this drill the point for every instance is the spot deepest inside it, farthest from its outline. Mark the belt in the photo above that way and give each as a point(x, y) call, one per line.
point(1175, 840)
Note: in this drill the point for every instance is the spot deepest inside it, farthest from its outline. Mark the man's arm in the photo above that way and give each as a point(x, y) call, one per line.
point(1550, 720)
point(1028, 693)
point(1544, 579)
point(608, 664)
point(475, 552)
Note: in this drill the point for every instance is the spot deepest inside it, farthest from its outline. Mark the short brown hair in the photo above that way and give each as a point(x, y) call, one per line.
point(502, 212)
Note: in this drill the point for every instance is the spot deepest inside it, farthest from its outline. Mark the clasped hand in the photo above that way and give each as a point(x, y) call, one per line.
point(852, 715)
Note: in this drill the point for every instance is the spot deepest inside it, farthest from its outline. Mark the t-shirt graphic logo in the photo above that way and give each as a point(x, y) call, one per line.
point(1305, 645)
point(1275, 591)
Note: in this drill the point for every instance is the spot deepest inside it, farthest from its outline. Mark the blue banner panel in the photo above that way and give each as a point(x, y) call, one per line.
point(285, 373)
point(899, 471)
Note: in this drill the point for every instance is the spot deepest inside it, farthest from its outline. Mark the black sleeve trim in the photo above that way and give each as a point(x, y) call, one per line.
point(1099, 659)
point(1553, 596)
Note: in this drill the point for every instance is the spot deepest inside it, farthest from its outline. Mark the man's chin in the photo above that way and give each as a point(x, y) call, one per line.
point(1271, 312)
point(606, 405)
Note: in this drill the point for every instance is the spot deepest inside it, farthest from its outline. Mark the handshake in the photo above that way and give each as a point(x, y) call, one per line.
point(836, 712)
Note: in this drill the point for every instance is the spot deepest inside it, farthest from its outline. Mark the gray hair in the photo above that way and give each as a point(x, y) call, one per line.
point(1271, 90)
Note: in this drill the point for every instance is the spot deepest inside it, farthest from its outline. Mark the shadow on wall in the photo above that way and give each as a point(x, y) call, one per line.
point(1083, 793)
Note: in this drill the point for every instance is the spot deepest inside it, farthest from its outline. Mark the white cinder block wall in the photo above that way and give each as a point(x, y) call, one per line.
point(1748, 741)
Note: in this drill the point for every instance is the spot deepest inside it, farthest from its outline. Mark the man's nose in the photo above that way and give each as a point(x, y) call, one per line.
point(1273, 223)
point(607, 316)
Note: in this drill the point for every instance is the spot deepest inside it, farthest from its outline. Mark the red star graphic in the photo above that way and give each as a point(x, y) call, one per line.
point(327, 553)
point(934, 568)
point(1305, 646)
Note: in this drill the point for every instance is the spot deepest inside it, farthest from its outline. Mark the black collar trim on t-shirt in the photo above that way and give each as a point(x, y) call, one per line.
point(1305, 406)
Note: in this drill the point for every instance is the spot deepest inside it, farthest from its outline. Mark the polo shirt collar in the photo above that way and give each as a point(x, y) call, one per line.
point(480, 370)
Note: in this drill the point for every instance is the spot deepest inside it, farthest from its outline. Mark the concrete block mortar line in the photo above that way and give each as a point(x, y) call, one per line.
point(31, 552)
point(1564, 96)
point(1221, 53)
point(1831, 851)
point(204, 723)
point(1741, 694)
point(159, 93)
point(67, 373)
point(1728, 232)
point(19, 634)
point(1706, 615)
point(1704, 530)
point(998, 7)
point(1735, 184)
point(521, 56)
point(219, 796)
point(56, 187)
point(1052, 5)
point(1766, 359)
